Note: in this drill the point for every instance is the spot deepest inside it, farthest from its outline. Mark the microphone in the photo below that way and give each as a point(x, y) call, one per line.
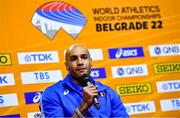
point(86, 81)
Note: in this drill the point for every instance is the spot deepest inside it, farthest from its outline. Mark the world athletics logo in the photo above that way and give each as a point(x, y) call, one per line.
point(53, 16)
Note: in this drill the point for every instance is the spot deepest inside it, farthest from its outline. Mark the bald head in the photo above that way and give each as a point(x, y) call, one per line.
point(74, 48)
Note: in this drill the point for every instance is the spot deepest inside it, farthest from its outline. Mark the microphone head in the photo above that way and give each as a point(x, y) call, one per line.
point(85, 79)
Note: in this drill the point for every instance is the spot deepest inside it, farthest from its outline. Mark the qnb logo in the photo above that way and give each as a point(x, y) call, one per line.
point(98, 72)
point(129, 71)
point(167, 50)
point(33, 97)
point(51, 17)
point(157, 50)
point(164, 50)
point(116, 53)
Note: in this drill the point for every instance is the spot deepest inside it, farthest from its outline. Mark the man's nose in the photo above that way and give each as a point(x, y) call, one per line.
point(80, 62)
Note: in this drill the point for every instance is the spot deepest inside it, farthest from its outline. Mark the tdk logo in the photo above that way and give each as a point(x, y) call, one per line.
point(116, 53)
point(140, 107)
point(38, 57)
point(129, 71)
point(32, 97)
point(168, 86)
point(7, 79)
point(170, 104)
point(53, 16)
point(164, 50)
point(98, 73)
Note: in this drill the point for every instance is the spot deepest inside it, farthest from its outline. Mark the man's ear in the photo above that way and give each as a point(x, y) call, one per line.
point(91, 62)
point(66, 66)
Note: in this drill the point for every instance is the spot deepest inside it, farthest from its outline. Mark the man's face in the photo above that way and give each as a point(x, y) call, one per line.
point(78, 61)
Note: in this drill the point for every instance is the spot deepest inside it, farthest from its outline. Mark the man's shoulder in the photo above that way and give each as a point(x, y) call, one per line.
point(57, 87)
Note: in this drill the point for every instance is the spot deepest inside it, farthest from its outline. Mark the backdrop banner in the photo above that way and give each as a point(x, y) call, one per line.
point(135, 47)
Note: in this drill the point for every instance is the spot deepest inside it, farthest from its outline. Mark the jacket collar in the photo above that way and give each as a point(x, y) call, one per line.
point(69, 83)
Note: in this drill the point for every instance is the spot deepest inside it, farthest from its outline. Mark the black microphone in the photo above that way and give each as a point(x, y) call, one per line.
point(86, 81)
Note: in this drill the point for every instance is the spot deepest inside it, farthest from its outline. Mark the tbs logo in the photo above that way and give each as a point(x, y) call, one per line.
point(53, 16)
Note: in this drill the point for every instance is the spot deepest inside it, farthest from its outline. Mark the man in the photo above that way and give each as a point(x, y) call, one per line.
point(72, 98)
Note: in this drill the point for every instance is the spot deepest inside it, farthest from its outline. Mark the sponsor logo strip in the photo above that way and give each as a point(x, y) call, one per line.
point(7, 79)
point(168, 86)
point(129, 71)
point(170, 104)
point(34, 115)
point(96, 54)
point(38, 57)
point(140, 107)
point(32, 97)
point(11, 116)
point(5, 59)
point(41, 76)
point(167, 68)
point(134, 89)
point(8, 100)
point(164, 50)
point(98, 73)
point(117, 53)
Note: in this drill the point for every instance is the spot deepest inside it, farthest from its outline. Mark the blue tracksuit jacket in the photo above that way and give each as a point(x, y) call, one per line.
point(62, 98)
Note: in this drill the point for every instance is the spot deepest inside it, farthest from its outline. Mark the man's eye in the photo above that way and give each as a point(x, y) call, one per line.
point(73, 58)
point(84, 56)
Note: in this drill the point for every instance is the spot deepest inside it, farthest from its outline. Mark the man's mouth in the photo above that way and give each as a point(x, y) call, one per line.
point(81, 69)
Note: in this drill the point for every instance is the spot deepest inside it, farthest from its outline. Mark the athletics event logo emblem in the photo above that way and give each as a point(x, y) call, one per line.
point(53, 16)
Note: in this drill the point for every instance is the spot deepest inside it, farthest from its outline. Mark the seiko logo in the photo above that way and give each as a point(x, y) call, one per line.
point(5, 59)
point(133, 89)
